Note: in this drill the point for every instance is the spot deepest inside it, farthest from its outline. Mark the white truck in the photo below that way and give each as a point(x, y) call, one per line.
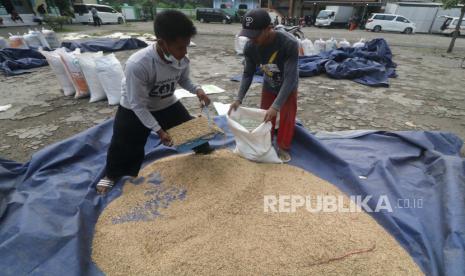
point(333, 16)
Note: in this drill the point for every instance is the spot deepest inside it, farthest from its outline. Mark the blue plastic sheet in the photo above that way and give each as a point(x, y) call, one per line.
point(104, 44)
point(370, 65)
point(49, 208)
point(20, 61)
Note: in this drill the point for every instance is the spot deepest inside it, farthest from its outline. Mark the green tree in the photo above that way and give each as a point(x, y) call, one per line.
point(450, 4)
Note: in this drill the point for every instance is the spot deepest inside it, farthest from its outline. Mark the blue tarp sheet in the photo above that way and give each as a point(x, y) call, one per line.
point(370, 65)
point(104, 44)
point(19, 61)
point(48, 206)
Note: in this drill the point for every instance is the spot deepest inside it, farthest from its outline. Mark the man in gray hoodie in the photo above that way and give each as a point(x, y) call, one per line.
point(148, 102)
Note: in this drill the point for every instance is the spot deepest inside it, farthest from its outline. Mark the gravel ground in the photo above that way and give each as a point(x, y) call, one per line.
point(427, 95)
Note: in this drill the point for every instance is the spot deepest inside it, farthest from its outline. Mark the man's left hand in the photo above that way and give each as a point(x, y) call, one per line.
point(203, 98)
point(271, 114)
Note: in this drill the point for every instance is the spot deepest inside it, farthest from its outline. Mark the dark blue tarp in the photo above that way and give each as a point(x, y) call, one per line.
point(104, 44)
point(370, 65)
point(48, 206)
point(19, 61)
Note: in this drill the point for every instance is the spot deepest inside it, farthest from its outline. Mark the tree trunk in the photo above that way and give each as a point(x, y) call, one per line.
point(457, 30)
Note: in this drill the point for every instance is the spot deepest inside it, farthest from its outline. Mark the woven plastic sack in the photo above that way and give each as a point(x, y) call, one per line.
point(110, 73)
point(252, 135)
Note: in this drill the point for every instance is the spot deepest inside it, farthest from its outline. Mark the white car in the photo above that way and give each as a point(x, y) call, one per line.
point(107, 14)
point(390, 22)
point(450, 24)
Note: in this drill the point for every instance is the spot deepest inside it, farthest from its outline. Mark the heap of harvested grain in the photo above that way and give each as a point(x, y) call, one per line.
point(192, 130)
point(207, 218)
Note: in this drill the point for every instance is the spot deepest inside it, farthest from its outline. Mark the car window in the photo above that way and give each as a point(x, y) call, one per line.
point(99, 9)
point(389, 17)
point(379, 17)
point(401, 19)
point(108, 9)
point(80, 9)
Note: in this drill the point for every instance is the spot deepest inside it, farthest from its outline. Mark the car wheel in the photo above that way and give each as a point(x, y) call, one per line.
point(377, 29)
point(202, 20)
point(120, 20)
point(224, 21)
point(408, 31)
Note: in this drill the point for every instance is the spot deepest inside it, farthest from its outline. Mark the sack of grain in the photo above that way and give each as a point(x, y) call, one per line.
point(54, 60)
point(252, 135)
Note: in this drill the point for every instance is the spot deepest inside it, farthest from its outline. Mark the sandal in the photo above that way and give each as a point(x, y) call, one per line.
point(284, 156)
point(104, 185)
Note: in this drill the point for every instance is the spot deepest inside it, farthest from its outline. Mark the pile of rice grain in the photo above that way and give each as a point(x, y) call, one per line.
point(191, 130)
point(207, 218)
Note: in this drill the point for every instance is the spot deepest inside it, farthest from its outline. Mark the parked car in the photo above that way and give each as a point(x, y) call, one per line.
point(448, 27)
point(390, 22)
point(206, 15)
point(107, 14)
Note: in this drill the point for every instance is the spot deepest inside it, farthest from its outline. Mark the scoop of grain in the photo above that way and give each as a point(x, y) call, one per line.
point(192, 130)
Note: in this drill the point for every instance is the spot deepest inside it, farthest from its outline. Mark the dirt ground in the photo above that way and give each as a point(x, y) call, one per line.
point(429, 93)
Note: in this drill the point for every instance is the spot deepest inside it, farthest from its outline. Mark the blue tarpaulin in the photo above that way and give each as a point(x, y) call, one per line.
point(19, 61)
point(49, 208)
point(370, 65)
point(104, 44)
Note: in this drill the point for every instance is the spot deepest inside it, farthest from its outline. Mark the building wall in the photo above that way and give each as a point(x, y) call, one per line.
point(234, 4)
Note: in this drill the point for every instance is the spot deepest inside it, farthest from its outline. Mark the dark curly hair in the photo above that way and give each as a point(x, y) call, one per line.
point(170, 25)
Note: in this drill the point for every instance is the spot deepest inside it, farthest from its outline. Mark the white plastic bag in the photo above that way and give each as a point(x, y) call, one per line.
point(51, 38)
point(319, 45)
point(87, 63)
point(252, 135)
point(359, 44)
point(239, 44)
point(32, 40)
point(54, 60)
point(75, 73)
point(308, 47)
point(110, 73)
point(3, 43)
point(17, 41)
point(331, 44)
point(344, 43)
point(41, 38)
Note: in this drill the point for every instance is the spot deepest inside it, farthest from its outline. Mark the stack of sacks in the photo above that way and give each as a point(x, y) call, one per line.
point(35, 39)
point(17, 41)
point(87, 74)
point(344, 43)
point(3, 43)
point(331, 44)
point(308, 48)
point(360, 44)
point(51, 38)
point(319, 45)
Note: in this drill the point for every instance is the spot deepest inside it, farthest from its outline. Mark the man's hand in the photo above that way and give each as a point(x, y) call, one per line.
point(203, 98)
point(165, 138)
point(234, 107)
point(271, 114)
